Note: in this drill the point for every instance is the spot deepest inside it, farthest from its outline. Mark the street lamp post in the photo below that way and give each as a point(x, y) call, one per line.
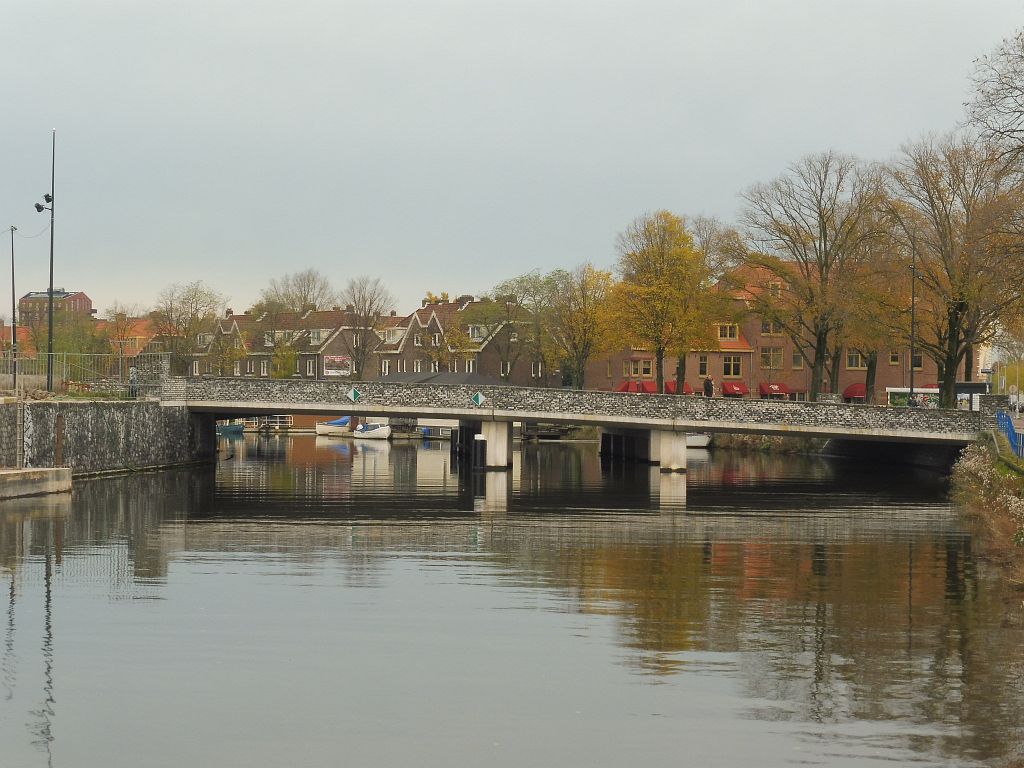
point(49, 299)
point(913, 318)
point(14, 320)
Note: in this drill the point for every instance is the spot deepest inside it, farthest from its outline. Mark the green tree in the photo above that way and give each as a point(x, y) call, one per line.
point(282, 363)
point(657, 303)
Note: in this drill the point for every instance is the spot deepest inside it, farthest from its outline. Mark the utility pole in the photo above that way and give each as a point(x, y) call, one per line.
point(14, 319)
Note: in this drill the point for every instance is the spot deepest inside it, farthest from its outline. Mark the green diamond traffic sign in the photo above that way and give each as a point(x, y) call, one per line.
point(478, 399)
point(354, 395)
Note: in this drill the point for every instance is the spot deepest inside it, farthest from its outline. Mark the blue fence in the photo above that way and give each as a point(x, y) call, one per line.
point(1006, 427)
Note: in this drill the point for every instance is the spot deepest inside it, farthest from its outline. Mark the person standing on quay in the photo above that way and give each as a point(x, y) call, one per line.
point(709, 387)
point(133, 383)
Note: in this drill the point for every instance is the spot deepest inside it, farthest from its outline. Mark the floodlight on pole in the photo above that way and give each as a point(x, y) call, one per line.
point(48, 197)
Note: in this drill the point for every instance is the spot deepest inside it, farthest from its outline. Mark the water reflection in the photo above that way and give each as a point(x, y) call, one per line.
point(842, 608)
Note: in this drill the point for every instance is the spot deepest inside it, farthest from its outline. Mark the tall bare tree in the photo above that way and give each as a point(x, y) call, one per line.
point(182, 312)
point(958, 208)
point(366, 300)
point(810, 230)
point(299, 292)
point(998, 105)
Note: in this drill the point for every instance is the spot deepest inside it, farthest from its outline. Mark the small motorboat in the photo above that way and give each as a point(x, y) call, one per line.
point(372, 431)
point(230, 428)
point(335, 428)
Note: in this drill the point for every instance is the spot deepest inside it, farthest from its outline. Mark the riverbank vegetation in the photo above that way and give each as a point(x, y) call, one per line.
point(989, 481)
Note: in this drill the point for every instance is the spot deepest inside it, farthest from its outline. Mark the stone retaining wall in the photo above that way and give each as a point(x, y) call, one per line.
point(106, 436)
point(587, 406)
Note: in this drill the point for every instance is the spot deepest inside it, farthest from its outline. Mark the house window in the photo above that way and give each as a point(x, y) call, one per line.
point(401, 365)
point(237, 368)
point(287, 335)
point(250, 366)
point(268, 339)
point(394, 335)
point(609, 373)
point(263, 367)
point(453, 366)
point(476, 332)
point(513, 336)
point(204, 339)
point(646, 367)
point(702, 365)
point(417, 340)
point(536, 369)
point(385, 367)
point(630, 368)
point(731, 365)
point(855, 360)
point(314, 336)
point(506, 369)
point(894, 357)
point(298, 370)
point(728, 331)
point(435, 366)
point(798, 360)
point(355, 340)
point(470, 365)
point(771, 358)
point(918, 361)
point(417, 366)
point(775, 289)
point(436, 340)
point(771, 328)
point(311, 366)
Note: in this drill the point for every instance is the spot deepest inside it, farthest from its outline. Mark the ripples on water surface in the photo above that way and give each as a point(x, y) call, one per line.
point(318, 603)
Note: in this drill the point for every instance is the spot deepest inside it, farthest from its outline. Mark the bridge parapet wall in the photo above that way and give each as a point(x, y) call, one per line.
point(522, 403)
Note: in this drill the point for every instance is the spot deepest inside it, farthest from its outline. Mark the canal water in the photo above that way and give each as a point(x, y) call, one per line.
point(314, 602)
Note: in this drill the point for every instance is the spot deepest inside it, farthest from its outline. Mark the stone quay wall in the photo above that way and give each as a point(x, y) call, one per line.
point(575, 406)
point(94, 437)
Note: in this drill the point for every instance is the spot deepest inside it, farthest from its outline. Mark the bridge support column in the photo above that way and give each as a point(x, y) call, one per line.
point(667, 449)
point(498, 435)
point(491, 500)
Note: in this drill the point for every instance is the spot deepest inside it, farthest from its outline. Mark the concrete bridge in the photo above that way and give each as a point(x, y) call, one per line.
point(652, 427)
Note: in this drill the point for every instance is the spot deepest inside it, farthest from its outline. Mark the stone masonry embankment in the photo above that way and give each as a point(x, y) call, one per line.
point(99, 436)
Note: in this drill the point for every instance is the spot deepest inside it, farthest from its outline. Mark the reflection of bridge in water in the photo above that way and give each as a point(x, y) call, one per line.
point(648, 427)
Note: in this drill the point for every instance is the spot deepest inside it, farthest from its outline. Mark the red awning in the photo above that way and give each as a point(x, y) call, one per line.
point(772, 389)
point(670, 387)
point(734, 389)
point(855, 391)
point(646, 387)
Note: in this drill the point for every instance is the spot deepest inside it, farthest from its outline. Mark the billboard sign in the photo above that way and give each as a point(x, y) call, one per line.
point(337, 365)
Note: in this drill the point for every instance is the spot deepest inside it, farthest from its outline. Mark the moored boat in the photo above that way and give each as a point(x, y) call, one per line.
point(335, 428)
point(230, 428)
point(372, 431)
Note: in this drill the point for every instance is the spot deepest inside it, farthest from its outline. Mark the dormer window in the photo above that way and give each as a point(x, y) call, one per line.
point(728, 331)
point(314, 336)
point(477, 332)
point(268, 339)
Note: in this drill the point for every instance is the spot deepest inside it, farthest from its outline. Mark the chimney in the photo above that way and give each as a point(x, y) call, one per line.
point(394, 313)
point(424, 302)
point(229, 312)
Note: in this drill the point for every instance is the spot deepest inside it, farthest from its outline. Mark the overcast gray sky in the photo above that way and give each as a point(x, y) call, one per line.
point(440, 145)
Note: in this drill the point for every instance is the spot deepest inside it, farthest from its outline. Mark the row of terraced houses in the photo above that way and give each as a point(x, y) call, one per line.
point(753, 356)
point(445, 341)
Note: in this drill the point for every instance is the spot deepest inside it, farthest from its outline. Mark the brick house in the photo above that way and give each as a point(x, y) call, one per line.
point(33, 308)
point(756, 358)
point(463, 336)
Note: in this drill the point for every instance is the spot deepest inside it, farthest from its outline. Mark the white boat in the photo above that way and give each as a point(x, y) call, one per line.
point(698, 439)
point(334, 428)
point(372, 431)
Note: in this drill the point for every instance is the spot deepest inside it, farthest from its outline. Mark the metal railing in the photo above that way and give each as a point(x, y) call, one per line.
point(1006, 426)
point(107, 375)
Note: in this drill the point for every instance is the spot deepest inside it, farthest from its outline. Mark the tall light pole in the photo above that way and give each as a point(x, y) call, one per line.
point(14, 319)
point(913, 318)
point(49, 299)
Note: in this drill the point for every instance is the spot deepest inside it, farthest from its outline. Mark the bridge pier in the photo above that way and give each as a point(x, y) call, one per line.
point(498, 436)
point(656, 446)
point(668, 489)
